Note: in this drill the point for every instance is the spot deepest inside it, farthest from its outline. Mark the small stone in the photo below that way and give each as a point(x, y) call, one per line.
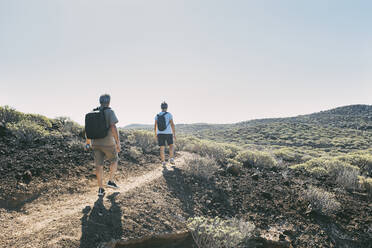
point(233, 169)
point(267, 195)
point(27, 176)
point(255, 176)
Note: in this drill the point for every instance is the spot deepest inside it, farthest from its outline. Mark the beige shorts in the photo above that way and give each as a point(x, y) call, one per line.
point(102, 153)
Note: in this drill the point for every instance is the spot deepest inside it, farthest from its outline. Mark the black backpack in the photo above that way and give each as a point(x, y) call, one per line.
point(95, 124)
point(162, 122)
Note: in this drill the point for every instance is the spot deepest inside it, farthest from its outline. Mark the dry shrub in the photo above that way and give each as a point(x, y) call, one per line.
point(218, 151)
point(366, 183)
point(135, 152)
point(219, 233)
point(145, 140)
point(27, 131)
point(10, 115)
point(256, 159)
point(344, 174)
point(69, 126)
point(39, 119)
point(198, 166)
point(363, 161)
point(288, 155)
point(322, 201)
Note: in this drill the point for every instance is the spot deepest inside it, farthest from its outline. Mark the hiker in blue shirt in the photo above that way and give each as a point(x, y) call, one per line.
point(165, 132)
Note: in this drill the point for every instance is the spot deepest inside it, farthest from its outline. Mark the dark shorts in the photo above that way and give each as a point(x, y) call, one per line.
point(102, 153)
point(162, 138)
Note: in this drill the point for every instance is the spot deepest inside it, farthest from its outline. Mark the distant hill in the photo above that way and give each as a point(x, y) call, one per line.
point(343, 128)
point(352, 116)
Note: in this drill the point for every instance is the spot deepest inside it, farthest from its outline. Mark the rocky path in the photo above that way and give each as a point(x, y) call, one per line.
point(45, 223)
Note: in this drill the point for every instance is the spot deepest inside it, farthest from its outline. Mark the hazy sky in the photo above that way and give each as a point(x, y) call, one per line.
point(212, 61)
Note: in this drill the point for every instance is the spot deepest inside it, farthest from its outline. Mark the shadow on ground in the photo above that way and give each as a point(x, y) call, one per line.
point(99, 224)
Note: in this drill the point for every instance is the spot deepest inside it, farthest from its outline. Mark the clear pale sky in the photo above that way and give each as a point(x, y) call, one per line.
point(212, 61)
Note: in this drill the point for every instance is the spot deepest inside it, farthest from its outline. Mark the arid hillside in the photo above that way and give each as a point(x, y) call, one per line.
point(292, 182)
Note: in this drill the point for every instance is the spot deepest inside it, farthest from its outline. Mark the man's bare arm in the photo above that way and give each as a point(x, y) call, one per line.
point(115, 134)
point(155, 126)
point(173, 128)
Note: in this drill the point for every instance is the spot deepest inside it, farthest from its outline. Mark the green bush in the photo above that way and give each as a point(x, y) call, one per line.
point(288, 155)
point(363, 161)
point(219, 233)
point(27, 131)
point(39, 120)
point(145, 140)
point(69, 126)
point(345, 175)
point(256, 159)
point(10, 115)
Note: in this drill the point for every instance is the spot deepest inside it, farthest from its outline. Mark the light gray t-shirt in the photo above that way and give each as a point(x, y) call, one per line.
point(168, 116)
point(109, 139)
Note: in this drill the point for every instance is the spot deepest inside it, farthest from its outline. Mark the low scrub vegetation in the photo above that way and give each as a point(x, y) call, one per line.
point(322, 201)
point(144, 140)
point(256, 159)
point(198, 166)
point(30, 128)
point(218, 151)
point(27, 131)
point(366, 183)
point(345, 174)
point(219, 233)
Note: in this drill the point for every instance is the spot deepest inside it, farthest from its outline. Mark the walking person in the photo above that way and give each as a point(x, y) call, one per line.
point(165, 133)
point(102, 134)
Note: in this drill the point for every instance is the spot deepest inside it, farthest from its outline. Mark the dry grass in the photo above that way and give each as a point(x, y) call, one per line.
point(198, 166)
point(256, 159)
point(322, 201)
point(219, 233)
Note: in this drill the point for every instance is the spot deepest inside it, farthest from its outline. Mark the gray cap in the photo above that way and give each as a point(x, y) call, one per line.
point(104, 99)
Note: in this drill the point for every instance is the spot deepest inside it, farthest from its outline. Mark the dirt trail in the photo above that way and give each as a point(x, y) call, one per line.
point(44, 223)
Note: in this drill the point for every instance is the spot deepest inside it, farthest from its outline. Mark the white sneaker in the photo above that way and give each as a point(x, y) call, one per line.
point(172, 161)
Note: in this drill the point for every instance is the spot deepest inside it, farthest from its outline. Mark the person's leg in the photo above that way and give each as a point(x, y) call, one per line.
point(171, 151)
point(113, 168)
point(112, 156)
point(99, 174)
point(161, 143)
point(171, 148)
point(162, 154)
point(98, 160)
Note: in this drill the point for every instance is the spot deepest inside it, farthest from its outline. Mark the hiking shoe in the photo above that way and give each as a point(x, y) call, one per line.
point(164, 164)
point(111, 184)
point(101, 192)
point(172, 161)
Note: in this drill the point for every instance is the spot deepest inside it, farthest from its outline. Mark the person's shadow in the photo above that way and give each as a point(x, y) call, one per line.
point(100, 224)
point(179, 188)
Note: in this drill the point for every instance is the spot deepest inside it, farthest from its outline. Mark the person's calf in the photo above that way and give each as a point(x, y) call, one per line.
point(113, 169)
point(171, 151)
point(162, 153)
point(99, 175)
